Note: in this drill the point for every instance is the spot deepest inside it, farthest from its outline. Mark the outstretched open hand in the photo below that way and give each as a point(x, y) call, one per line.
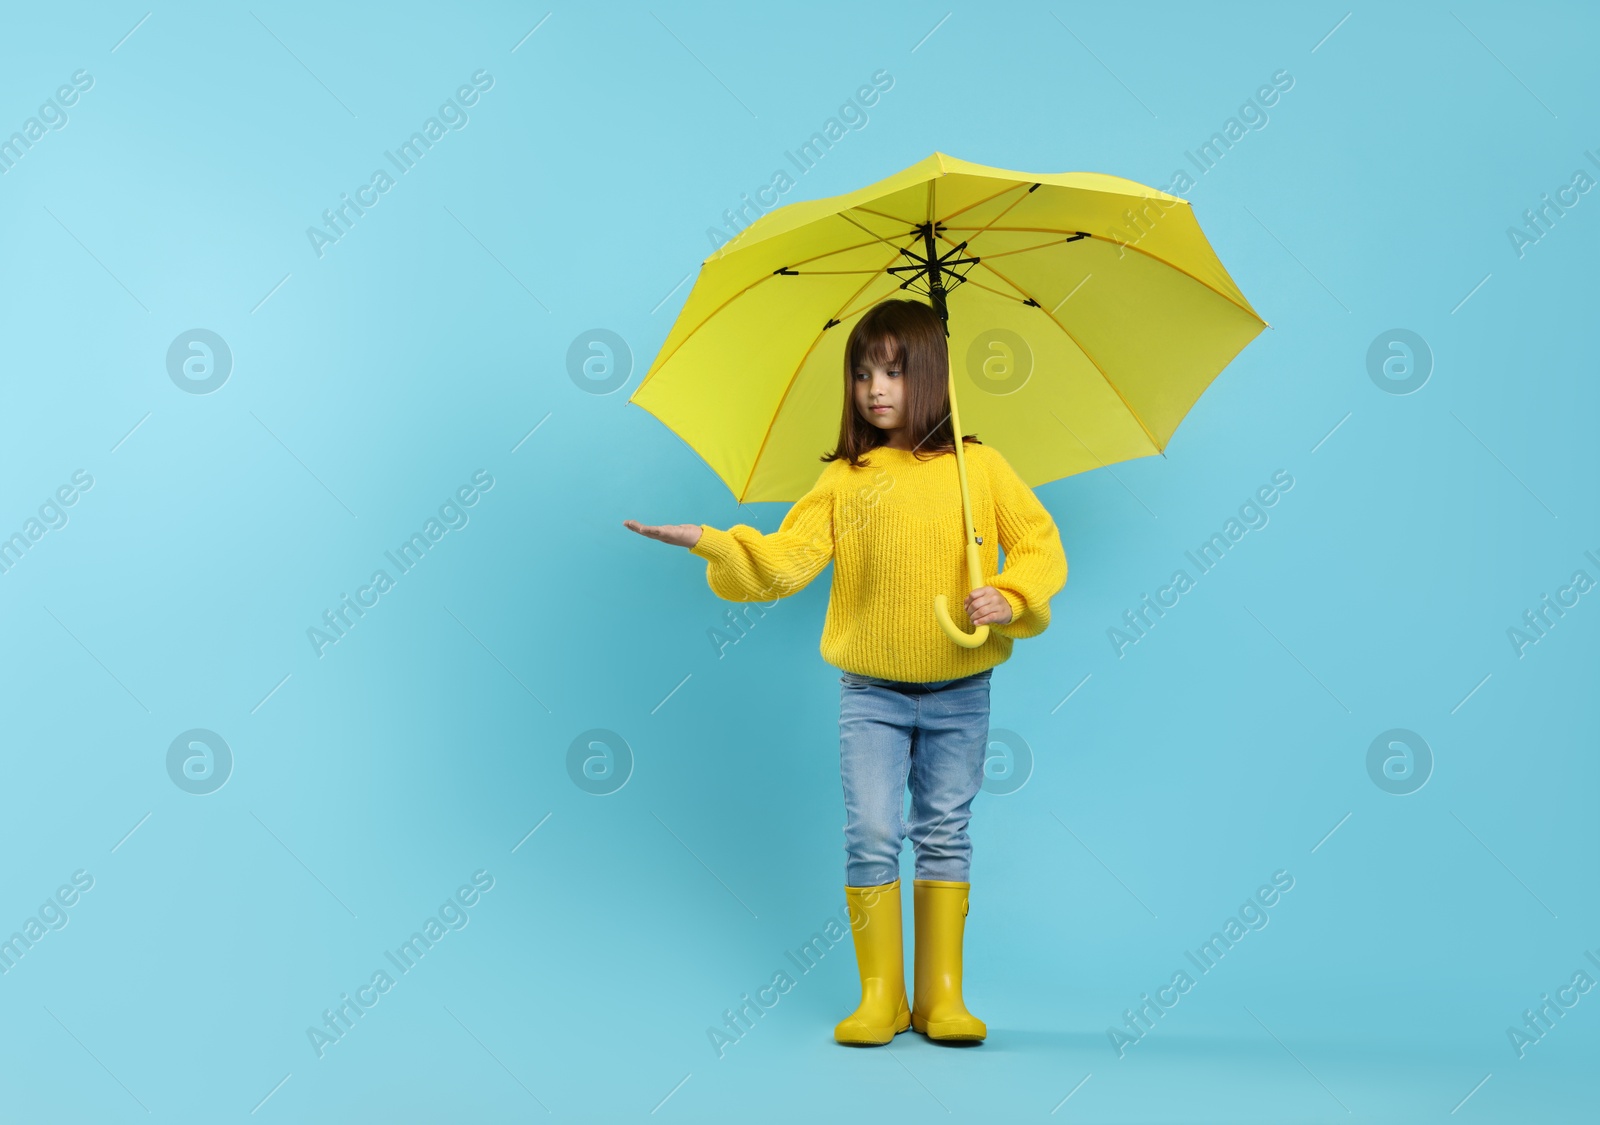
point(987, 606)
point(678, 534)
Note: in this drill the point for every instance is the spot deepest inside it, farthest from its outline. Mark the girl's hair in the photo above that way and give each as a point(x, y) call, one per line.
point(908, 335)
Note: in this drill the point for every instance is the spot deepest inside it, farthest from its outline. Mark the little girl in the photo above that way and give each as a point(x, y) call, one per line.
point(886, 510)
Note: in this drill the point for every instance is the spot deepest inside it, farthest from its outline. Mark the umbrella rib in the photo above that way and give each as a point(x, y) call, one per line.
point(958, 211)
point(1083, 350)
point(963, 277)
point(998, 293)
point(846, 217)
point(662, 359)
point(840, 250)
point(998, 217)
point(795, 374)
point(1179, 269)
point(869, 211)
point(996, 195)
point(1073, 237)
point(1126, 246)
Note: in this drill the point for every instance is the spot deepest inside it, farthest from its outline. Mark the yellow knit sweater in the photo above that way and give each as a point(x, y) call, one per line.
point(894, 532)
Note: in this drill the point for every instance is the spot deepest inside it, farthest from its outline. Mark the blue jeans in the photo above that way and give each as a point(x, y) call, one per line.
point(937, 734)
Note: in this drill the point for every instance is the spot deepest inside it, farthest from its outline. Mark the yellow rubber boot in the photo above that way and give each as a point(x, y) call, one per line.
point(941, 916)
point(881, 959)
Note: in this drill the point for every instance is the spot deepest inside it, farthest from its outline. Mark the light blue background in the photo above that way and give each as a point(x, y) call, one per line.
point(428, 743)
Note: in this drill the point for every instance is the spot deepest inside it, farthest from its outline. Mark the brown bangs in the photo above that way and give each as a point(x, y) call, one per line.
point(909, 336)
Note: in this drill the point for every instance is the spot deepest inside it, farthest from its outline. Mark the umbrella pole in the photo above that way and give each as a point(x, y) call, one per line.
point(941, 607)
point(934, 267)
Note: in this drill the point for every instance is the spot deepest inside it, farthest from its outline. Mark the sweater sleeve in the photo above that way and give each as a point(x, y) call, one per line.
point(1035, 563)
point(746, 566)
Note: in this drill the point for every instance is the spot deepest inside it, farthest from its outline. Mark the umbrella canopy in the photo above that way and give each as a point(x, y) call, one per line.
point(1086, 315)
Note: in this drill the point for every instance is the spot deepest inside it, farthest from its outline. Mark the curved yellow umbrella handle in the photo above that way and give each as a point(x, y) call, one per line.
point(941, 609)
point(941, 606)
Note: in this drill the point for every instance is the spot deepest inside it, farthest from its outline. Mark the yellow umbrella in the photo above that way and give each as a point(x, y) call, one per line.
point(1089, 311)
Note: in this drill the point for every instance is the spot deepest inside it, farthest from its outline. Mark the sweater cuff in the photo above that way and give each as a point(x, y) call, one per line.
point(713, 543)
point(1018, 610)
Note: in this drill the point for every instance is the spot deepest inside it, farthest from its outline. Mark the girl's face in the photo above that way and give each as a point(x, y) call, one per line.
point(880, 393)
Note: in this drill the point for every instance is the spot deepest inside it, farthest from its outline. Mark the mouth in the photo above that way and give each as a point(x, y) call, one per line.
point(880, 409)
